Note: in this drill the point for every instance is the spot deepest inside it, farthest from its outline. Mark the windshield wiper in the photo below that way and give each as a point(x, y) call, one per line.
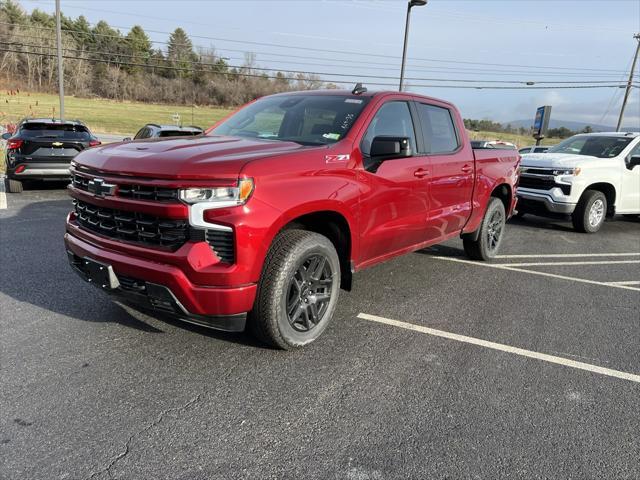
point(305, 143)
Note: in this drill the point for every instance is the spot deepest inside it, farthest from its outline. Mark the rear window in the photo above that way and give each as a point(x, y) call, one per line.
point(60, 131)
point(438, 129)
point(178, 133)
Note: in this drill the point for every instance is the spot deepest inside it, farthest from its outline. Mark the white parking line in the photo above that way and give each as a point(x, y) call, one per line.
point(562, 264)
point(3, 195)
point(628, 282)
point(503, 348)
point(503, 266)
point(570, 255)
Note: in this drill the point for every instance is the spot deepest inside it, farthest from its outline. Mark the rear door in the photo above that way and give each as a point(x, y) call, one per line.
point(53, 142)
point(394, 209)
point(451, 170)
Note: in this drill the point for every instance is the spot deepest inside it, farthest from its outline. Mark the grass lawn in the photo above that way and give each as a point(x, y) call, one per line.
point(104, 116)
point(519, 140)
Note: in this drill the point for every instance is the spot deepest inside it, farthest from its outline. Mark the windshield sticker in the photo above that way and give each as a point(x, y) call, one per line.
point(348, 120)
point(337, 158)
point(331, 136)
point(353, 100)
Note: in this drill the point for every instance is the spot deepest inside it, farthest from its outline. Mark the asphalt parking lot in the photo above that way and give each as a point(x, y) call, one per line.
point(434, 367)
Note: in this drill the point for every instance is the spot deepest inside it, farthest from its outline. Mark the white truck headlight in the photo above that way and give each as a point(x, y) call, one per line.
point(567, 171)
point(219, 197)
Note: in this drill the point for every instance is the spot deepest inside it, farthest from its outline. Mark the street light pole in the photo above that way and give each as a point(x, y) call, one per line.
point(410, 5)
point(629, 83)
point(60, 66)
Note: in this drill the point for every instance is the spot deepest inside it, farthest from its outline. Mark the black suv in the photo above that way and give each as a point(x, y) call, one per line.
point(153, 130)
point(42, 149)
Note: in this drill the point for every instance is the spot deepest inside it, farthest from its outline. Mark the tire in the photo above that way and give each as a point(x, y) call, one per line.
point(288, 294)
point(13, 186)
point(491, 233)
point(590, 212)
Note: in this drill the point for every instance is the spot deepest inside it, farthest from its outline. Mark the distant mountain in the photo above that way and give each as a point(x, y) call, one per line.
point(575, 126)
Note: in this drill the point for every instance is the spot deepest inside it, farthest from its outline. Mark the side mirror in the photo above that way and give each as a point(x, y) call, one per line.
point(128, 139)
point(634, 161)
point(386, 147)
point(6, 136)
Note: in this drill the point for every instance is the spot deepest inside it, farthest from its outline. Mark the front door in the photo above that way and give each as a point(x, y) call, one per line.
point(394, 210)
point(629, 199)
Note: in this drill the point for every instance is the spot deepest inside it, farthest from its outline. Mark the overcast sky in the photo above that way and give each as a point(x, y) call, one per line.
point(586, 40)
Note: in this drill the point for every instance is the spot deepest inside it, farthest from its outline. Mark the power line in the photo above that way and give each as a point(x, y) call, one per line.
point(326, 74)
point(264, 76)
point(475, 71)
point(341, 52)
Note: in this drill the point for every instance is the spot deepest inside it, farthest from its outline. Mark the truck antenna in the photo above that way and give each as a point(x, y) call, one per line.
point(358, 89)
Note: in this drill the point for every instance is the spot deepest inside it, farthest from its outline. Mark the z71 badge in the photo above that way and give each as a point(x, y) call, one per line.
point(337, 158)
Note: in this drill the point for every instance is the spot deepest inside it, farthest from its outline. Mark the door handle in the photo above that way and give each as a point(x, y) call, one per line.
point(421, 172)
point(467, 169)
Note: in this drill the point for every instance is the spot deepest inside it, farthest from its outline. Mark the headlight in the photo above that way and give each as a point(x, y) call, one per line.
point(218, 197)
point(567, 171)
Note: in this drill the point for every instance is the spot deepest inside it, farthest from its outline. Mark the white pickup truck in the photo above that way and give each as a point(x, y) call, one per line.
point(588, 176)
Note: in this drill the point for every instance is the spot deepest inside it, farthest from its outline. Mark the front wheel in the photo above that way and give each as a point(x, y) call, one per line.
point(489, 239)
point(298, 290)
point(590, 212)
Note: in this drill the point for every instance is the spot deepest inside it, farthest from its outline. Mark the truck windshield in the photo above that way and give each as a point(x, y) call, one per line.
point(304, 119)
point(595, 146)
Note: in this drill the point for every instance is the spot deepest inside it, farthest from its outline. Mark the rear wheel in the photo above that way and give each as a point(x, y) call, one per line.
point(13, 186)
point(298, 290)
point(486, 246)
point(590, 212)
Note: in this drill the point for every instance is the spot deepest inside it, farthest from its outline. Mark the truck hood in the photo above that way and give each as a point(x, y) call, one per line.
point(200, 157)
point(563, 160)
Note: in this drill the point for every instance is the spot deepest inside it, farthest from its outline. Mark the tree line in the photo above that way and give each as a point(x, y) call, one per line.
point(491, 126)
point(102, 61)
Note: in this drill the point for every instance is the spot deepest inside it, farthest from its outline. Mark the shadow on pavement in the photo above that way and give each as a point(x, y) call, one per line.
point(34, 269)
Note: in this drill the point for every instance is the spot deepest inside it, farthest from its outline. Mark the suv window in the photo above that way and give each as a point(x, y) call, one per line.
point(61, 131)
point(438, 129)
point(392, 119)
point(142, 133)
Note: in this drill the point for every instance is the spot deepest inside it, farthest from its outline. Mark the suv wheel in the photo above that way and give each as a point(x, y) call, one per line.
point(298, 290)
point(590, 212)
point(486, 246)
point(14, 186)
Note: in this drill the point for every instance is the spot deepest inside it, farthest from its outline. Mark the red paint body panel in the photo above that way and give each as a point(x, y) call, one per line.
point(388, 213)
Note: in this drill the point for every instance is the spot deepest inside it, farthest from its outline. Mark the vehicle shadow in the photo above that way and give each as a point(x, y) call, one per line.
point(34, 270)
point(533, 221)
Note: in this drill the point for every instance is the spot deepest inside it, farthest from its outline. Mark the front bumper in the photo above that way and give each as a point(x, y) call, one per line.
point(542, 203)
point(166, 288)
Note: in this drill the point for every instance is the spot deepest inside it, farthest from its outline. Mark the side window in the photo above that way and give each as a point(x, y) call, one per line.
point(392, 119)
point(438, 129)
point(140, 133)
point(633, 152)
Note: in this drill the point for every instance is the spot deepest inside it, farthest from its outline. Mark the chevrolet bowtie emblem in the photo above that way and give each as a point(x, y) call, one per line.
point(57, 144)
point(99, 188)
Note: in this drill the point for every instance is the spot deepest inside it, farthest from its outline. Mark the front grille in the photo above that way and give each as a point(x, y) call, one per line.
point(542, 183)
point(130, 190)
point(132, 226)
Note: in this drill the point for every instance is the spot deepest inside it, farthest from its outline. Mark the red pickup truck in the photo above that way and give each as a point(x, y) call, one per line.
point(261, 220)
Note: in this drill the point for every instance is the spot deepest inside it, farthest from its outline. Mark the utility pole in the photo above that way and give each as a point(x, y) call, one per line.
point(628, 90)
point(60, 66)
